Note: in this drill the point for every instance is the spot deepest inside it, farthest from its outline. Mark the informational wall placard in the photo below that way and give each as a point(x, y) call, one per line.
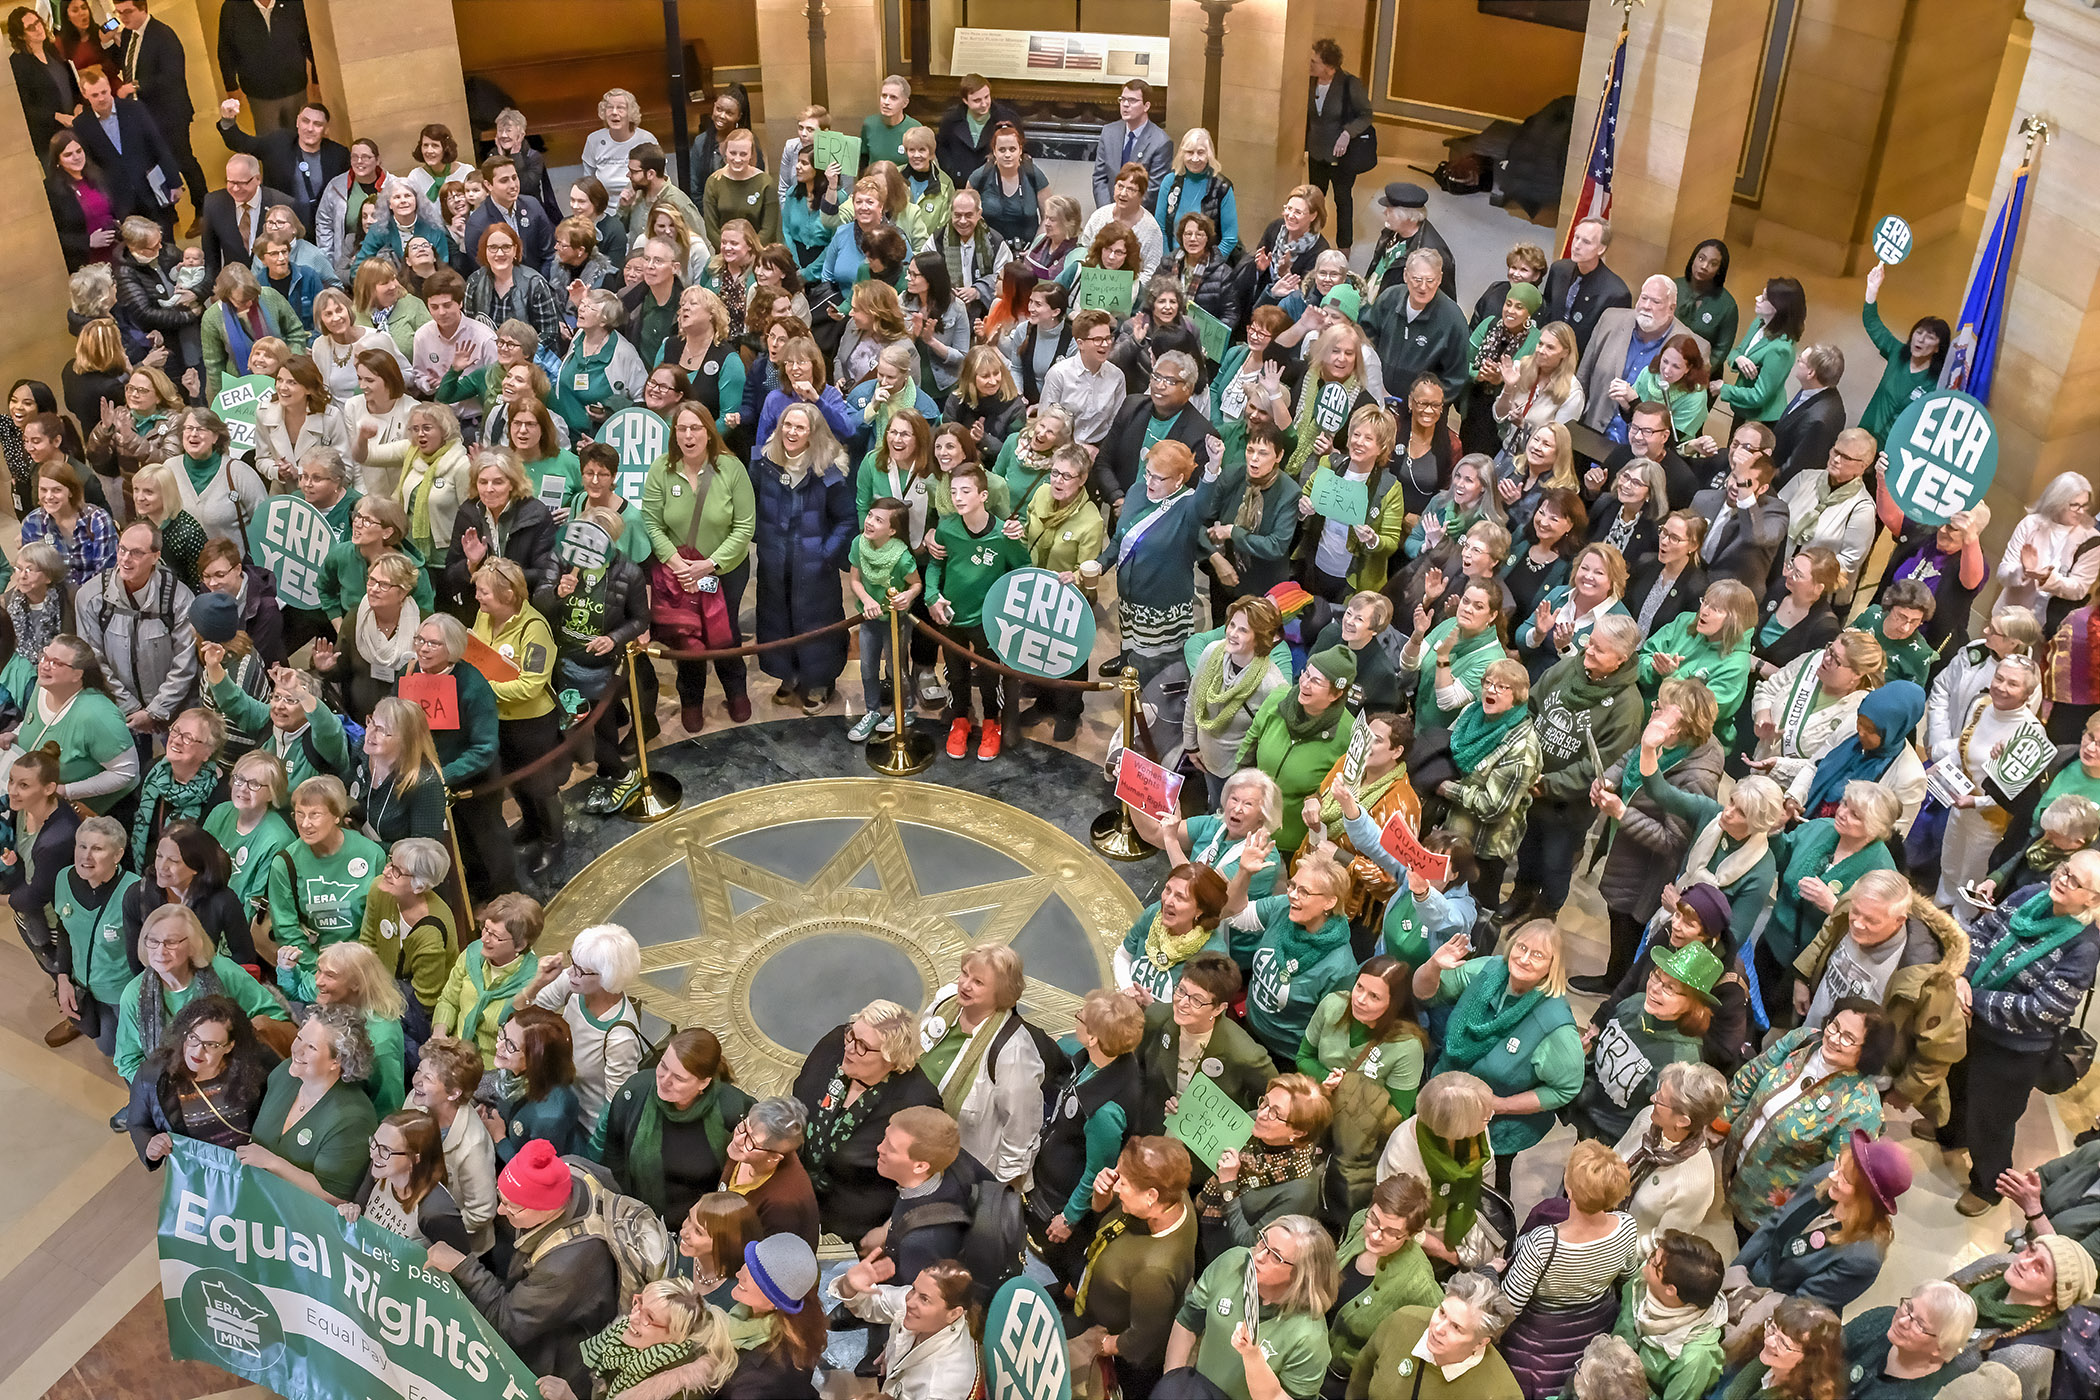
point(1061, 56)
point(1943, 455)
point(291, 539)
point(1892, 240)
point(267, 1282)
point(640, 437)
point(1039, 624)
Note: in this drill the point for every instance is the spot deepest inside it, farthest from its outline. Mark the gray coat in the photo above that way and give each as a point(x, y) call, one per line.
point(1647, 849)
point(148, 652)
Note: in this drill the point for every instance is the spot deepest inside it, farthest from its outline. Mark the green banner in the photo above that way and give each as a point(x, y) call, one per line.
point(1109, 289)
point(269, 1283)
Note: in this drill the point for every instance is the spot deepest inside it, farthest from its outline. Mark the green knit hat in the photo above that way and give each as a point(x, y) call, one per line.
point(1694, 965)
point(1337, 663)
point(1345, 299)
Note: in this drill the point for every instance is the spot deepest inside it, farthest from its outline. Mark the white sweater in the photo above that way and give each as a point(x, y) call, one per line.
point(1669, 1198)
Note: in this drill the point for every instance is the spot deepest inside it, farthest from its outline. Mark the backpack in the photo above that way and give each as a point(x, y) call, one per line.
point(640, 1246)
point(994, 1237)
point(1057, 1065)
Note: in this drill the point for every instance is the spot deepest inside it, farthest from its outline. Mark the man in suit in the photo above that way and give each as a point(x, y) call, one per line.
point(1749, 526)
point(1805, 433)
point(1164, 414)
point(300, 162)
point(121, 137)
point(1580, 288)
point(1134, 138)
point(1416, 329)
point(1647, 438)
point(233, 217)
point(1191, 1035)
point(963, 141)
point(1407, 228)
point(1627, 341)
point(1337, 112)
point(267, 55)
point(508, 202)
point(154, 69)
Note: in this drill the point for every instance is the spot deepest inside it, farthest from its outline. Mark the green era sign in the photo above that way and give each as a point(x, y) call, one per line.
point(1039, 624)
point(1024, 1345)
point(1943, 454)
point(640, 437)
point(291, 539)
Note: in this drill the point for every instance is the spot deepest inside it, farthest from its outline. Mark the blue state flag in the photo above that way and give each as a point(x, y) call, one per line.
point(1974, 355)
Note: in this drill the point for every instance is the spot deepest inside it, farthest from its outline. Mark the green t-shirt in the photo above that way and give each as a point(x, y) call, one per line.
point(89, 733)
point(250, 995)
point(251, 854)
point(328, 905)
point(882, 567)
point(973, 565)
point(1216, 1304)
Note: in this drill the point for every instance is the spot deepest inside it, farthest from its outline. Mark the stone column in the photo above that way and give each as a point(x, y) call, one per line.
point(2046, 393)
point(852, 63)
point(1261, 136)
point(1690, 68)
point(387, 68)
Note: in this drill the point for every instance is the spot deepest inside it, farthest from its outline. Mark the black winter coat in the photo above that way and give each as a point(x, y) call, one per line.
point(853, 1196)
point(625, 618)
point(528, 542)
point(545, 1310)
point(143, 287)
point(1214, 285)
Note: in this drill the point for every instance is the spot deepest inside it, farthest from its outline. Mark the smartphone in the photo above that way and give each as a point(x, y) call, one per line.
point(111, 25)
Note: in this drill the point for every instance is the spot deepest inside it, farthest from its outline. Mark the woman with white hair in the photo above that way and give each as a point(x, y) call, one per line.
point(404, 216)
point(410, 927)
point(1457, 1337)
point(1664, 1149)
point(854, 1081)
point(1445, 1144)
point(1250, 801)
point(2046, 564)
point(181, 965)
point(588, 986)
point(603, 370)
point(2004, 750)
point(605, 150)
point(986, 1061)
point(1825, 857)
point(1282, 1349)
point(1968, 671)
point(1910, 1349)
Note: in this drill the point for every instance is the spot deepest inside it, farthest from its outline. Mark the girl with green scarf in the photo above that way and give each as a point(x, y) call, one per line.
point(1452, 656)
point(665, 1135)
point(1512, 1029)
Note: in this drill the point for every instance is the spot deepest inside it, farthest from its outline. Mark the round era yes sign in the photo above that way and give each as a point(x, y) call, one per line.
point(1039, 624)
point(1943, 453)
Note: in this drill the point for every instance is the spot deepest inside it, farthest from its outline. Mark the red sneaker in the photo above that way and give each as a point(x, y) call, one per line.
point(959, 739)
point(988, 744)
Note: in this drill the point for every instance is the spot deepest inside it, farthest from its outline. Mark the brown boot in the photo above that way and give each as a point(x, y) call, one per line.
point(64, 1033)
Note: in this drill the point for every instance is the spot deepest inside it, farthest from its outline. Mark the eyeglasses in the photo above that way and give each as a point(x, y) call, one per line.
point(1774, 1335)
point(854, 1044)
point(1172, 381)
point(126, 553)
point(382, 1153)
point(749, 1144)
point(1376, 1224)
point(1268, 1109)
point(1269, 1251)
point(1195, 1000)
point(167, 944)
point(245, 785)
point(197, 1042)
point(1843, 1039)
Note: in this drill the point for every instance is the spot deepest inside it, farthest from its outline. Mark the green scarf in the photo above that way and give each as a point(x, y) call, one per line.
point(1826, 497)
point(2033, 934)
point(1165, 949)
point(1307, 728)
point(1631, 779)
point(1368, 794)
point(645, 1153)
point(1215, 702)
point(514, 980)
point(1995, 1308)
point(1476, 734)
point(1455, 1171)
point(201, 469)
point(1473, 1030)
point(419, 499)
point(2043, 856)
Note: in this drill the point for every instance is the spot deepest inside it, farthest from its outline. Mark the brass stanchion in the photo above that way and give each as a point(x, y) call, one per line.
point(1113, 834)
point(459, 868)
point(906, 751)
point(657, 795)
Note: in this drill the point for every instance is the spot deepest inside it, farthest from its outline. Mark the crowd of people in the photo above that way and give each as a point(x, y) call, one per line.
point(1589, 575)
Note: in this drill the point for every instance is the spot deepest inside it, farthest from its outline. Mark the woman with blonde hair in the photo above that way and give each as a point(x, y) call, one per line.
point(668, 223)
point(134, 432)
point(93, 380)
point(1090, 1122)
point(243, 311)
point(668, 1325)
point(805, 524)
point(1542, 387)
point(383, 303)
point(1197, 185)
point(339, 338)
point(350, 974)
point(877, 321)
point(1543, 461)
point(855, 1079)
point(249, 827)
point(702, 346)
point(1056, 244)
point(1338, 356)
point(155, 497)
point(529, 718)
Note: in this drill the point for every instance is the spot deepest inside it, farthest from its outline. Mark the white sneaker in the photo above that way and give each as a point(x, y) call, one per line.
point(863, 727)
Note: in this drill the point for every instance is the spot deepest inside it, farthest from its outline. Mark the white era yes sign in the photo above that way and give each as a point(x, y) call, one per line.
point(1039, 624)
point(1943, 455)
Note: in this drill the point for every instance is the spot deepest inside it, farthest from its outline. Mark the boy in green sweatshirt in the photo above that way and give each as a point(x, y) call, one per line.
point(1673, 1315)
point(979, 552)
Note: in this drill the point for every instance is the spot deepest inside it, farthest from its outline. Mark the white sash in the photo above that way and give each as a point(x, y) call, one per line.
point(1137, 531)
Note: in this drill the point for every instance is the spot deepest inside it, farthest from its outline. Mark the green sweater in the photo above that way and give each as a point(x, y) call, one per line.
point(1688, 1375)
point(251, 854)
point(1806, 851)
point(1750, 895)
point(728, 517)
point(1290, 969)
point(342, 585)
point(1728, 677)
point(1294, 1343)
point(1298, 766)
point(1335, 1040)
point(1712, 317)
point(1899, 382)
point(252, 717)
point(1911, 659)
point(755, 198)
point(332, 1140)
point(1404, 1279)
point(316, 900)
point(975, 562)
point(879, 141)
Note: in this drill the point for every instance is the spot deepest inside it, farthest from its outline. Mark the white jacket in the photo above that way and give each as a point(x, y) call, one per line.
point(940, 1367)
point(1966, 675)
point(1002, 1121)
point(1669, 1198)
point(1846, 529)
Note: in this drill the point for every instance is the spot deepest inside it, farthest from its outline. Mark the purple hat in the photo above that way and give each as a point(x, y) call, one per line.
point(1712, 907)
point(1884, 1165)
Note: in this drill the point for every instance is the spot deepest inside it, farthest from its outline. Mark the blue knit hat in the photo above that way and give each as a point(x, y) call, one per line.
point(785, 1269)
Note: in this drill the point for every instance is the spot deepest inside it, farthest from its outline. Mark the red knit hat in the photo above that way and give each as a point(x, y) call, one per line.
point(537, 1178)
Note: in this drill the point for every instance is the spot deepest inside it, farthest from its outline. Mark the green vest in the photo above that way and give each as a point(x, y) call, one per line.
point(96, 937)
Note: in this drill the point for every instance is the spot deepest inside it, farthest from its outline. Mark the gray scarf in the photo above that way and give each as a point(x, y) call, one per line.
point(153, 1003)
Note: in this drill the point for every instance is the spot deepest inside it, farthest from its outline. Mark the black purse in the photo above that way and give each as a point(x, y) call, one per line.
point(2069, 1060)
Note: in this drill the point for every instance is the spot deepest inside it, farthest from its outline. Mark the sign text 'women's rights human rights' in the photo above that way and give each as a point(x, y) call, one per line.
point(1942, 456)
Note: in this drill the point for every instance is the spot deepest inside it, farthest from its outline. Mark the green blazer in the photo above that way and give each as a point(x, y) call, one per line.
point(1243, 1068)
point(1761, 399)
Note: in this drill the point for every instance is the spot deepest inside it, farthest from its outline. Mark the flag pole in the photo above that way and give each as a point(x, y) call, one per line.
point(1612, 72)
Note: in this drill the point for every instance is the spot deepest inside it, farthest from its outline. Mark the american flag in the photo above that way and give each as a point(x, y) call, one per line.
point(1595, 202)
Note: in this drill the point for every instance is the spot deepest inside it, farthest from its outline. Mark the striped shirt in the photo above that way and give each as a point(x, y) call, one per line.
point(1555, 1273)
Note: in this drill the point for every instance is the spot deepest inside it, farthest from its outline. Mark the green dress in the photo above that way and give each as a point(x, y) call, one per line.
point(330, 1140)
